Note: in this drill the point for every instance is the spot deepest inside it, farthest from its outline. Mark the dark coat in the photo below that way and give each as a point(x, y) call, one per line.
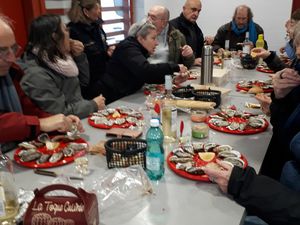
point(225, 33)
point(128, 70)
point(187, 28)
point(264, 197)
point(93, 38)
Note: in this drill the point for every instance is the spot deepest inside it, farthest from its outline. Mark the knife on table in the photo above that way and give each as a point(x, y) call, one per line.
point(54, 174)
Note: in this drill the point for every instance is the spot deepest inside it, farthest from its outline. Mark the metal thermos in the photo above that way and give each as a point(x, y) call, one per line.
point(207, 65)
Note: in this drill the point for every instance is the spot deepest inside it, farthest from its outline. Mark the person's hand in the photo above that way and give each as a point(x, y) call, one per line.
point(59, 122)
point(285, 81)
point(197, 62)
point(76, 47)
point(182, 68)
point(220, 51)
point(100, 101)
point(186, 51)
point(209, 40)
point(282, 50)
point(260, 53)
point(75, 120)
point(265, 102)
point(182, 75)
point(220, 176)
point(110, 50)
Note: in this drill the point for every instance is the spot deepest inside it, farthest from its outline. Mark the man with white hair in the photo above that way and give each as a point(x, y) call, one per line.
point(172, 45)
point(20, 119)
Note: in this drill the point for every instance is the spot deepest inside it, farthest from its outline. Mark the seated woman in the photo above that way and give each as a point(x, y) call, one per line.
point(86, 26)
point(51, 77)
point(128, 70)
point(20, 119)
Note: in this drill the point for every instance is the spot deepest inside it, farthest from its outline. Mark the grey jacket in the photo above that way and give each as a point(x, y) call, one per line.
point(54, 92)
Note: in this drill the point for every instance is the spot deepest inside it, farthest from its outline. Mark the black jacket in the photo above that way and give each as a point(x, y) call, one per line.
point(93, 38)
point(191, 31)
point(128, 70)
point(225, 33)
point(264, 197)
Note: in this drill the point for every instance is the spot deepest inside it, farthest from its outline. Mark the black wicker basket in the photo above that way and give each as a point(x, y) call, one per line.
point(208, 96)
point(124, 152)
point(183, 92)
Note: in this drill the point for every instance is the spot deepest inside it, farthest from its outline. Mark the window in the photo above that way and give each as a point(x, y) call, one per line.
point(115, 13)
point(117, 20)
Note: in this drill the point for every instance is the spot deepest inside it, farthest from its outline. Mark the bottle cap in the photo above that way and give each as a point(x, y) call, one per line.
point(260, 36)
point(154, 123)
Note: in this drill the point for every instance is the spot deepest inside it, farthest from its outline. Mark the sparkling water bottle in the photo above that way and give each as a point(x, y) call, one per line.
point(155, 158)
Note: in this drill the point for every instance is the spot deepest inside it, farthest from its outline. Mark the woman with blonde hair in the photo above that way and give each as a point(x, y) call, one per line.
point(86, 26)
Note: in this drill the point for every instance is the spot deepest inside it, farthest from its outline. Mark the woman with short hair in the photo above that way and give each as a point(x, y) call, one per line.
point(128, 70)
point(53, 65)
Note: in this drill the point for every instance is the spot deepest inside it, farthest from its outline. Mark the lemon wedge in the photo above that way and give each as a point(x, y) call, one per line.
point(51, 145)
point(207, 156)
point(116, 114)
point(253, 54)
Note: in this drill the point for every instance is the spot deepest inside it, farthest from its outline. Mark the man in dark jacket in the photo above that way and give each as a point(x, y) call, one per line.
point(260, 195)
point(235, 30)
point(186, 24)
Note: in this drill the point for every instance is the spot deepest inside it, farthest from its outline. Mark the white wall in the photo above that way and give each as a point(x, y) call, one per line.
point(271, 15)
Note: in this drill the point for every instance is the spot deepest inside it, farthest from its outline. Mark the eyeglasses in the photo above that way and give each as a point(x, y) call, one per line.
point(5, 51)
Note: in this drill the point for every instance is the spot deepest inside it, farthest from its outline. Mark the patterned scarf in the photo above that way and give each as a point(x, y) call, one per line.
point(66, 67)
point(250, 26)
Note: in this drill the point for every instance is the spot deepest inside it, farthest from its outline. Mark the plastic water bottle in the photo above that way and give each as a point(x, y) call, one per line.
point(155, 158)
point(260, 43)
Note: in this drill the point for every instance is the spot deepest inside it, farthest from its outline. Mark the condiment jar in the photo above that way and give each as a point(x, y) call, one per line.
point(200, 130)
point(198, 116)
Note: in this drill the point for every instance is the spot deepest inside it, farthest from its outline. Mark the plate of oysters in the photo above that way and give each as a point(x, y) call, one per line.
point(230, 120)
point(121, 117)
point(188, 160)
point(264, 68)
point(46, 152)
point(265, 86)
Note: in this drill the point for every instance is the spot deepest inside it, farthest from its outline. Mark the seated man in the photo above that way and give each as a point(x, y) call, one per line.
point(235, 30)
point(186, 24)
point(171, 42)
point(19, 118)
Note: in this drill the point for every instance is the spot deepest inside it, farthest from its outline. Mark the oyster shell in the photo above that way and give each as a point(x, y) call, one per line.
point(226, 154)
point(56, 157)
point(235, 161)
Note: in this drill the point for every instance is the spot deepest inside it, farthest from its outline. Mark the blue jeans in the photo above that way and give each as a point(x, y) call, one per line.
point(290, 175)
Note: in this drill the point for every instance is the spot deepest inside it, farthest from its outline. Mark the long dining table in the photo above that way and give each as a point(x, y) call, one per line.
point(176, 200)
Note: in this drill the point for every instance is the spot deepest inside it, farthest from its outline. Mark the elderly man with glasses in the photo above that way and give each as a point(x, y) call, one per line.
point(172, 45)
point(20, 119)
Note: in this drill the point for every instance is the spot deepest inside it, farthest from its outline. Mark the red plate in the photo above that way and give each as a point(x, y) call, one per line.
point(247, 130)
point(199, 162)
point(256, 83)
point(63, 161)
point(104, 126)
point(264, 70)
point(148, 88)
